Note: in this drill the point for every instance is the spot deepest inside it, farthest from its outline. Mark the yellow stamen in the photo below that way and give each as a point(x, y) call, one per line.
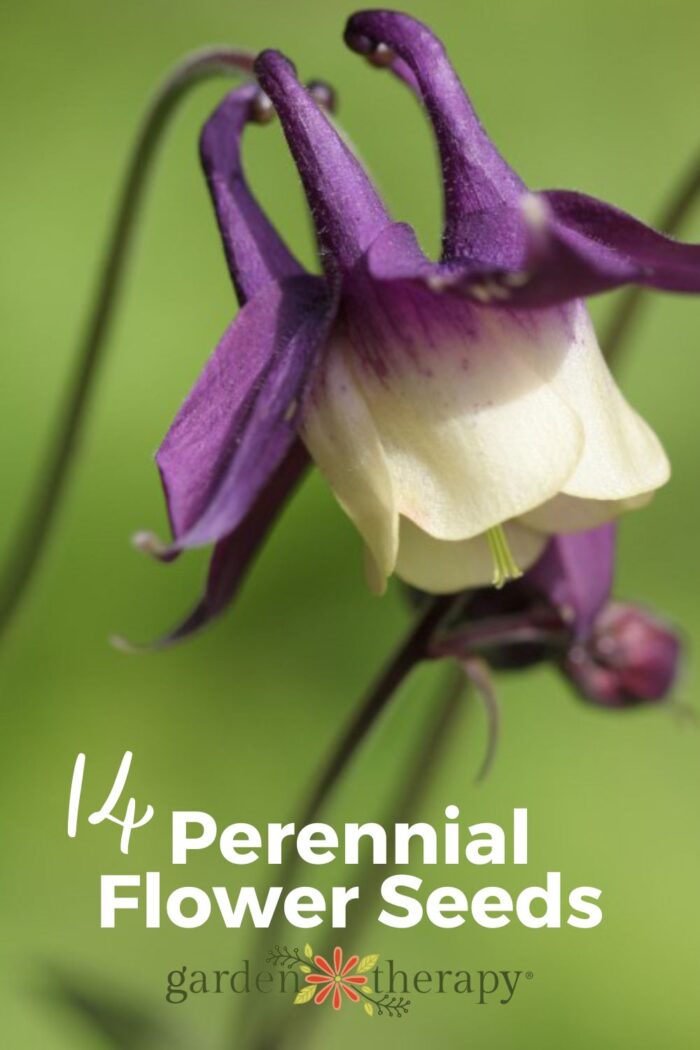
point(505, 567)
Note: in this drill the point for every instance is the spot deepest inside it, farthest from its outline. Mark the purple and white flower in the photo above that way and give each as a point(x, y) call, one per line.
point(461, 410)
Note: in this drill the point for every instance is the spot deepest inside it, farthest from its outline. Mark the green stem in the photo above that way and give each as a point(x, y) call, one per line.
point(44, 502)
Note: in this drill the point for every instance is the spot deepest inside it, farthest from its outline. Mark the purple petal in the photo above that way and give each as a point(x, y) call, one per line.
point(575, 574)
point(255, 252)
point(240, 420)
point(481, 191)
point(347, 210)
point(233, 556)
point(395, 255)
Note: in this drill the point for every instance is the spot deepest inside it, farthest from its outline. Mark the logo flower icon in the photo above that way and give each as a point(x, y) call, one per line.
point(336, 978)
point(325, 980)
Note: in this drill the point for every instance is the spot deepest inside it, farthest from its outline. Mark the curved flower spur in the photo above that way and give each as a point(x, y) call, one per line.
point(461, 410)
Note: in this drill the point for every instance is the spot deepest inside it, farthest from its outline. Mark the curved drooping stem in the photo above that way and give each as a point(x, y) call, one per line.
point(672, 218)
point(422, 765)
point(410, 653)
point(34, 528)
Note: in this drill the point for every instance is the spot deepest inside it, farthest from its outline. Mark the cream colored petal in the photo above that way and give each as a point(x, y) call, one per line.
point(445, 566)
point(622, 457)
point(570, 514)
point(472, 434)
point(459, 414)
point(343, 440)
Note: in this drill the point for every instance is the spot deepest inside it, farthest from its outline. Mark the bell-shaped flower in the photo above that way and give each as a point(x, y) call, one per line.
point(461, 410)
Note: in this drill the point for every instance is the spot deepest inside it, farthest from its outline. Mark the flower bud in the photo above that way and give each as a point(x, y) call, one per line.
point(629, 658)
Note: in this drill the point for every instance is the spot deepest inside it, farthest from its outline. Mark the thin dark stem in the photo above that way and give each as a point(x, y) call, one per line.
point(671, 219)
point(44, 502)
point(430, 750)
point(415, 784)
point(412, 651)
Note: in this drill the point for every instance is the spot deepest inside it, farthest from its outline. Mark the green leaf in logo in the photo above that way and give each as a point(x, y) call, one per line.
point(367, 963)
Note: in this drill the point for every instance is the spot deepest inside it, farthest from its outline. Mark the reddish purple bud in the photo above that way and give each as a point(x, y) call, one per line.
point(630, 658)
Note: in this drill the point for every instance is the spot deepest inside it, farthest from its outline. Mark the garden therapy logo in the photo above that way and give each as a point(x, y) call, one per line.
point(337, 981)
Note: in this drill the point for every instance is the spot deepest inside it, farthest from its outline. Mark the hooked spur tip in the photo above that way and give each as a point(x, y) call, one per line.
point(356, 40)
point(123, 645)
point(149, 543)
point(275, 72)
point(261, 110)
point(323, 94)
point(382, 57)
point(273, 66)
point(376, 52)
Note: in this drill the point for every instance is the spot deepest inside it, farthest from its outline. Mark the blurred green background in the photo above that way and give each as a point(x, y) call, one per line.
point(597, 96)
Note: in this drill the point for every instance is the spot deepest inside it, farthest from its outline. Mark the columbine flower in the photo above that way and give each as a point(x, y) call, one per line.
point(461, 410)
point(336, 978)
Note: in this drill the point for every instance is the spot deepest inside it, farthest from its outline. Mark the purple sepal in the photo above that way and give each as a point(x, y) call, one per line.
point(234, 555)
point(616, 248)
point(576, 247)
point(240, 411)
point(255, 252)
point(241, 418)
point(575, 575)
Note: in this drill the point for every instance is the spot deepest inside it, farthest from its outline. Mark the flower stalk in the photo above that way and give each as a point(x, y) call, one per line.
point(421, 767)
point(410, 653)
point(35, 527)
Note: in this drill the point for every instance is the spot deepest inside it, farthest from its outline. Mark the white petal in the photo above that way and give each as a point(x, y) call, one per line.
point(472, 433)
point(570, 514)
point(622, 457)
point(444, 566)
point(343, 440)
